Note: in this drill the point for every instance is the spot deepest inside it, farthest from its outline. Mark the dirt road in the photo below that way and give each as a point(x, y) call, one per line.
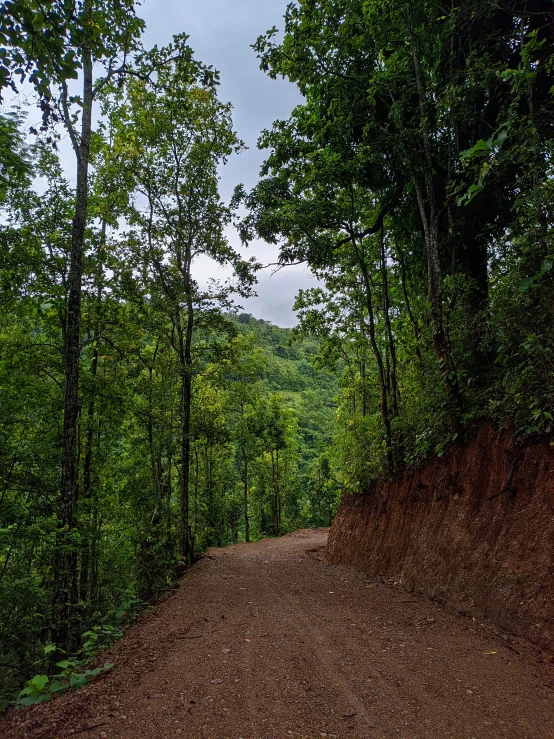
point(263, 641)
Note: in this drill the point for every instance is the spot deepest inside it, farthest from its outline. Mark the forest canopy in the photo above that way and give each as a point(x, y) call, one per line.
point(144, 415)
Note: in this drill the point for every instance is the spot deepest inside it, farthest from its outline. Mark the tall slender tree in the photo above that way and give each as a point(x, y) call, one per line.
point(173, 134)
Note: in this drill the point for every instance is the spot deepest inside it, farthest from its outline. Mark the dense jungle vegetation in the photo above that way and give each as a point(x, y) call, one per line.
point(143, 416)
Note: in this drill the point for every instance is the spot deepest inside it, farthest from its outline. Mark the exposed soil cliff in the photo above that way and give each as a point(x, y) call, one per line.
point(473, 530)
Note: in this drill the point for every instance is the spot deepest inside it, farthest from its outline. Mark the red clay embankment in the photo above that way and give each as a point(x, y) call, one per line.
point(473, 530)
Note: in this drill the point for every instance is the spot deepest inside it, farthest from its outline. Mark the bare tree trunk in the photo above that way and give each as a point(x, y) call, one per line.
point(440, 336)
point(430, 219)
point(169, 495)
point(185, 351)
point(64, 599)
point(363, 379)
point(155, 456)
point(395, 392)
point(184, 538)
point(245, 483)
point(319, 492)
point(196, 488)
point(413, 320)
point(87, 486)
point(88, 496)
point(276, 494)
point(385, 413)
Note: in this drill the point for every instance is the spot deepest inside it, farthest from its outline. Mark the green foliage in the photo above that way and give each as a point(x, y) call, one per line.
point(43, 42)
point(15, 166)
point(416, 181)
point(128, 511)
point(42, 688)
point(76, 671)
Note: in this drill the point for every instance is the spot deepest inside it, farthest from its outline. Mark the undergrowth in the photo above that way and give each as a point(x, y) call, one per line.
point(74, 671)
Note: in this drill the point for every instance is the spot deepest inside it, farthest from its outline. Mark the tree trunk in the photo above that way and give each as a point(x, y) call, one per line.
point(440, 337)
point(169, 495)
point(155, 455)
point(430, 219)
point(245, 483)
point(64, 598)
point(385, 413)
point(185, 350)
point(395, 392)
point(88, 496)
point(388, 328)
point(275, 476)
point(363, 379)
point(184, 537)
point(413, 321)
point(196, 489)
point(87, 487)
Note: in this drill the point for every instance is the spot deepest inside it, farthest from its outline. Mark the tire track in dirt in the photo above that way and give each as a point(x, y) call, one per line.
point(263, 641)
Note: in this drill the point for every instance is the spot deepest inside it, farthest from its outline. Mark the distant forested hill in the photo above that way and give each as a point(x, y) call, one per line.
point(290, 373)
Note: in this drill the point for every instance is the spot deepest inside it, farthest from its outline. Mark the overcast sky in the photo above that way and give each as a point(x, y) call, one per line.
point(221, 32)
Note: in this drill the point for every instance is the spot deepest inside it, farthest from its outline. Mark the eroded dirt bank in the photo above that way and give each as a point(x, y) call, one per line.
point(474, 530)
point(263, 641)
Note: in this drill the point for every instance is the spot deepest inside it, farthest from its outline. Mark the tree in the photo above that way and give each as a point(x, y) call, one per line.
point(395, 118)
point(58, 42)
point(417, 182)
point(172, 136)
point(15, 167)
point(244, 373)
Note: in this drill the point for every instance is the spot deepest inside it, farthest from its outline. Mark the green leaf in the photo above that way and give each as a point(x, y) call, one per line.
point(78, 681)
point(64, 664)
point(480, 146)
point(39, 682)
point(525, 284)
point(28, 701)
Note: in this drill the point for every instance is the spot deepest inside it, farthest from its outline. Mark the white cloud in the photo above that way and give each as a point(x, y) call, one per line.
point(221, 32)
